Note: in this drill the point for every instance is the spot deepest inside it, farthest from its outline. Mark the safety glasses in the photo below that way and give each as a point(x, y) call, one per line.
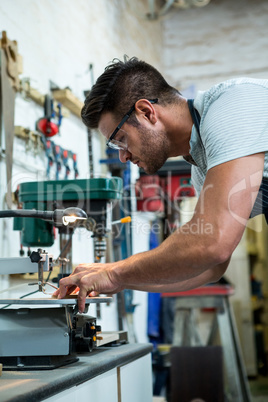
point(122, 145)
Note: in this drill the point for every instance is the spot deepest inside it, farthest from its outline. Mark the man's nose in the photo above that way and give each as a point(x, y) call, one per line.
point(124, 155)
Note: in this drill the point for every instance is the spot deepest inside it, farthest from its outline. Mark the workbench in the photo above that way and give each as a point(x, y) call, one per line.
point(122, 373)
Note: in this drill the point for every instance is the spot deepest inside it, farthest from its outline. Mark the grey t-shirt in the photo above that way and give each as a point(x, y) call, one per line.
point(234, 123)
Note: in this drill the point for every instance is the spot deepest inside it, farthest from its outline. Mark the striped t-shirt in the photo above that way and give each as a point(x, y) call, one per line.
point(234, 123)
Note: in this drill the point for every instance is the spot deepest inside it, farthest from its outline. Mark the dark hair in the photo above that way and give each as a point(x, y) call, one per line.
point(121, 85)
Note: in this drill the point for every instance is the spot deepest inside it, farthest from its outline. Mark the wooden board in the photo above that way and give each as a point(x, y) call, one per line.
point(69, 100)
point(106, 337)
point(38, 97)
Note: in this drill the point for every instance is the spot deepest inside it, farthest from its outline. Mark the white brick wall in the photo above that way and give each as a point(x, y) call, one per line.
point(224, 39)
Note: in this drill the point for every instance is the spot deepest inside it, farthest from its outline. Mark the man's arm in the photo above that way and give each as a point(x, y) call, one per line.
point(209, 276)
point(201, 245)
point(209, 239)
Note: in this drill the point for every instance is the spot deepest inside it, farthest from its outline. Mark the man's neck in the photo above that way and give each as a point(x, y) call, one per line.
point(178, 123)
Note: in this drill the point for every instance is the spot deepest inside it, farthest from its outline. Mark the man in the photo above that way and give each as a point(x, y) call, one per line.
point(148, 121)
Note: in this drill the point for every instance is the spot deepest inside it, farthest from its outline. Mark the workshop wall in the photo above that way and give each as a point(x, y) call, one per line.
point(206, 45)
point(58, 40)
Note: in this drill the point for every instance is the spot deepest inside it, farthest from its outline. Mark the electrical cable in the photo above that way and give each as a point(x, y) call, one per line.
point(11, 288)
point(11, 213)
point(65, 247)
point(27, 294)
point(21, 297)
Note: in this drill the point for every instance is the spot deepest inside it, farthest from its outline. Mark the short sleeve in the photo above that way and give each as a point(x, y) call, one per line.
point(197, 178)
point(236, 124)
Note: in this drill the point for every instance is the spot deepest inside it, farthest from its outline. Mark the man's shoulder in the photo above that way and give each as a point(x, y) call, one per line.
point(204, 99)
point(234, 82)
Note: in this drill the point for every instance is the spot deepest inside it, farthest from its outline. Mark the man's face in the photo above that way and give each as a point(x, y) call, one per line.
point(143, 146)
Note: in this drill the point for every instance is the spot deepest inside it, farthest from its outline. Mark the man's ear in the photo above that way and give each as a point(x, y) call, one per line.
point(145, 111)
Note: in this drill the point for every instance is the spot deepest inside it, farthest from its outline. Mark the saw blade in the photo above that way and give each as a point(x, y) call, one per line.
point(8, 109)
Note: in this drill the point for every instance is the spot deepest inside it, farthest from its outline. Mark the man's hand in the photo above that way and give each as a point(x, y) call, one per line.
point(91, 279)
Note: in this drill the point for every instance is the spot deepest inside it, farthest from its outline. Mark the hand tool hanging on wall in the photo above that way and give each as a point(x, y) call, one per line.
point(60, 116)
point(49, 153)
point(76, 173)
point(65, 161)
point(45, 125)
point(89, 132)
point(57, 154)
point(10, 64)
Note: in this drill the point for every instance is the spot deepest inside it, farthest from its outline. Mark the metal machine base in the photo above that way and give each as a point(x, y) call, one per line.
point(24, 363)
point(48, 337)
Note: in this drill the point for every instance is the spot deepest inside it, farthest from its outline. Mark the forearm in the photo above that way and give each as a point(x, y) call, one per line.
point(179, 258)
point(209, 276)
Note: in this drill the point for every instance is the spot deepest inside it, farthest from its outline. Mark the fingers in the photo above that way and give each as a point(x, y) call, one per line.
point(65, 289)
point(67, 286)
point(81, 299)
point(56, 293)
point(92, 279)
point(71, 284)
point(62, 292)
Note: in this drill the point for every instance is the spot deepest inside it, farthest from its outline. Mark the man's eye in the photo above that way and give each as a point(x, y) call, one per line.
point(121, 137)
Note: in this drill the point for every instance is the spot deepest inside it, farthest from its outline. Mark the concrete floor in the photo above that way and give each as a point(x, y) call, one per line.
point(259, 389)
